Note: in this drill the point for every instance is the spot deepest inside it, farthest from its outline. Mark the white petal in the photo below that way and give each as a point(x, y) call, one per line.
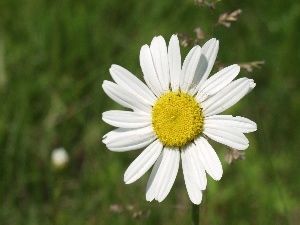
point(196, 171)
point(188, 69)
point(122, 139)
point(174, 62)
point(149, 71)
point(124, 98)
point(217, 82)
point(226, 135)
point(206, 62)
point(194, 193)
point(126, 119)
point(252, 85)
point(240, 123)
point(163, 174)
point(143, 162)
point(227, 97)
point(159, 53)
point(150, 192)
point(132, 84)
point(209, 158)
point(172, 158)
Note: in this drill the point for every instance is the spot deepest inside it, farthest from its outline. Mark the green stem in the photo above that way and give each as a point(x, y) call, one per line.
point(195, 214)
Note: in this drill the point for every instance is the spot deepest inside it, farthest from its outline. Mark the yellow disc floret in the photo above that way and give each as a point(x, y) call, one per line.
point(177, 119)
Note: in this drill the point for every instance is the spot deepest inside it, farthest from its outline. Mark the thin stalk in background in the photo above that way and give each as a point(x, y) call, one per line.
point(195, 214)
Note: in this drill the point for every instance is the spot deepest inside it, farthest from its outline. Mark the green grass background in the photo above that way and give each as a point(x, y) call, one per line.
point(54, 56)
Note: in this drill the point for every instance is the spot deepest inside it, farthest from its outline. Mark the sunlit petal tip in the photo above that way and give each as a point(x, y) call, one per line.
point(174, 36)
point(113, 66)
point(219, 176)
point(213, 44)
point(113, 69)
point(236, 65)
point(160, 38)
point(174, 42)
point(252, 84)
point(211, 47)
point(149, 198)
point(254, 127)
point(235, 68)
point(104, 84)
point(212, 41)
point(198, 200)
point(103, 139)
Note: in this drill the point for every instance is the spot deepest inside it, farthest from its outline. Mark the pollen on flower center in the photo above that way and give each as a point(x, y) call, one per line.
point(177, 119)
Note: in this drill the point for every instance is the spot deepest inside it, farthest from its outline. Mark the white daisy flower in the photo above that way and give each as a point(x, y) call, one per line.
point(174, 114)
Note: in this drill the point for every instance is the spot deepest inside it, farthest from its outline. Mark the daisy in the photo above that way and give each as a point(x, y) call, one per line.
point(172, 116)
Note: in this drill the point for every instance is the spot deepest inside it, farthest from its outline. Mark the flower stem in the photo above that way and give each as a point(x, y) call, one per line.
point(195, 214)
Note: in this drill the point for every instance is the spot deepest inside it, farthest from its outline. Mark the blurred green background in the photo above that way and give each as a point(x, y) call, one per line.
point(54, 56)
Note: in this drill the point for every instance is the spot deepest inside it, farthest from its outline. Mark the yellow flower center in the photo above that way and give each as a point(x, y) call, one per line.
point(177, 119)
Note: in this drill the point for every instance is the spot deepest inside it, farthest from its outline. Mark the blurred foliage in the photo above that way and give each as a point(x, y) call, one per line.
point(54, 56)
